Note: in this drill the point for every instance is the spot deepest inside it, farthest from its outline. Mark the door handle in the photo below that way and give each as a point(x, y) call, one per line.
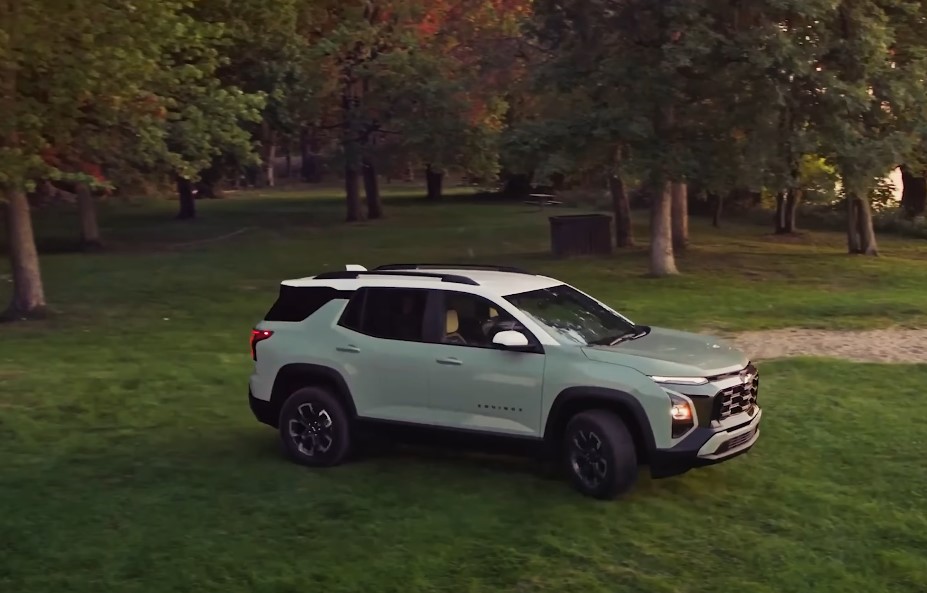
point(450, 361)
point(350, 349)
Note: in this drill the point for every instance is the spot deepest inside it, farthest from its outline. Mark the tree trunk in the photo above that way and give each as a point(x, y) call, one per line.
point(854, 244)
point(86, 208)
point(867, 236)
point(187, 200)
point(662, 261)
point(372, 190)
point(208, 185)
point(717, 203)
point(288, 167)
point(793, 197)
point(310, 168)
point(270, 155)
point(860, 234)
point(28, 293)
point(352, 192)
point(780, 213)
point(680, 215)
point(434, 182)
point(621, 206)
point(914, 194)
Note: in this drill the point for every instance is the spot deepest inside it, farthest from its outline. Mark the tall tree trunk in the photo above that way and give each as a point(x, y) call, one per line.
point(854, 243)
point(867, 236)
point(860, 232)
point(350, 142)
point(793, 198)
point(288, 156)
point(28, 293)
point(270, 155)
point(352, 192)
point(914, 193)
point(372, 190)
point(717, 203)
point(662, 261)
point(209, 184)
point(187, 200)
point(680, 215)
point(87, 210)
point(28, 299)
point(780, 213)
point(310, 168)
point(434, 182)
point(621, 206)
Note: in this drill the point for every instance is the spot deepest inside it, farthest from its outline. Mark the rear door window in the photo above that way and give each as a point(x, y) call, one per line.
point(388, 313)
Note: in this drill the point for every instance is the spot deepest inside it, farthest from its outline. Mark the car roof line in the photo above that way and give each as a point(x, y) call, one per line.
point(354, 274)
point(453, 266)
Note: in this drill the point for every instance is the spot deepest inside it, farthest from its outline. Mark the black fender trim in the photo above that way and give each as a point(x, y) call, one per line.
point(574, 399)
point(295, 375)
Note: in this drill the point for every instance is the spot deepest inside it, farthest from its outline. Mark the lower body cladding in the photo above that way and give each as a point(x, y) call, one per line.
point(706, 446)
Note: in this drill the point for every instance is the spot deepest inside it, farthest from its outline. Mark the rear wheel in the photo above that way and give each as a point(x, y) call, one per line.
point(599, 454)
point(314, 428)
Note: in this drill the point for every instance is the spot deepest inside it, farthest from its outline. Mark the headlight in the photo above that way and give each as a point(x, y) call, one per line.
point(682, 415)
point(680, 380)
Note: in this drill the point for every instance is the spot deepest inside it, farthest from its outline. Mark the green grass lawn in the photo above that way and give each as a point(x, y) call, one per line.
point(129, 460)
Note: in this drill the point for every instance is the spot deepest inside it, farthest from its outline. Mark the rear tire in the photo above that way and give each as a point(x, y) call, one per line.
point(599, 454)
point(314, 428)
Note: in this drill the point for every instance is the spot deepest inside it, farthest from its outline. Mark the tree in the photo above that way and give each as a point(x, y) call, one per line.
point(140, 73)
point(869, 101)
point(264, 54)
point(204, 118)
point(52, 73)
point(639, 62)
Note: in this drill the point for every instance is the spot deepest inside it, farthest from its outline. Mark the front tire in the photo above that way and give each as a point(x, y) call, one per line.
point(314, 428)
point(600, 455)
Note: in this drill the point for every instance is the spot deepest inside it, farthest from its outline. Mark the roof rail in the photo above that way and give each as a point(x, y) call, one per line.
point(488, 267)
point(353, 274)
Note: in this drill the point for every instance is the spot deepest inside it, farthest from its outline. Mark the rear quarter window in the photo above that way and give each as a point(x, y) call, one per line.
point(296, 303)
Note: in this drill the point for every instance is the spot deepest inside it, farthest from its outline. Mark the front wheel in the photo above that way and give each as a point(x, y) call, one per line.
point(600, 455)
point(314, 428)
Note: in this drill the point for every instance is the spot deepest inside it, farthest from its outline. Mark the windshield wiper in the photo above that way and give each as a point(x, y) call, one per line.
point(637, 332)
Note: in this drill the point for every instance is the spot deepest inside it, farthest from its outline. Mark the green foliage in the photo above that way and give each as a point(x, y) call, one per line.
point(115, 84)
point(736, 97)
point(818, 179)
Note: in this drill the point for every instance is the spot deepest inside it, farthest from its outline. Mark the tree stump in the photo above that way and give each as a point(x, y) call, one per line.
point(581, 234)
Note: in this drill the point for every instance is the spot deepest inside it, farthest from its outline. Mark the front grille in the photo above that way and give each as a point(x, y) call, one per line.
point(737, 399)
point(735, 442)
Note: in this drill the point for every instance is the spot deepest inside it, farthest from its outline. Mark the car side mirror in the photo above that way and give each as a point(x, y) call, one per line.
point(510, 340)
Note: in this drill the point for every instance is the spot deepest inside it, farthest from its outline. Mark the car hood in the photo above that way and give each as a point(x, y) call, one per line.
point(669, 352)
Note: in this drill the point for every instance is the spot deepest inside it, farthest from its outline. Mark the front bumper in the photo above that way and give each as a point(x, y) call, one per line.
point(706, 446)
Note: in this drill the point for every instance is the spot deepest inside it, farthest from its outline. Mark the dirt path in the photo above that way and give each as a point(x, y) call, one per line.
point(883, 345)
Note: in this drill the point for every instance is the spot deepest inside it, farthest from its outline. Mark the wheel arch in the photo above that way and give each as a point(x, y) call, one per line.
point(574, 400)
point(294, 376)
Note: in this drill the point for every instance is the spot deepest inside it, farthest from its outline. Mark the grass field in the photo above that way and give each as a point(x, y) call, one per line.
point(129, 460)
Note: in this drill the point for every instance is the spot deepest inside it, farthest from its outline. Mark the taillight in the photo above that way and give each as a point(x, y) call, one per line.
point(256, 336)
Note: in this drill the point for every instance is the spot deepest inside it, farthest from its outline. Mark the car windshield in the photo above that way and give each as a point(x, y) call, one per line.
point(573, 315)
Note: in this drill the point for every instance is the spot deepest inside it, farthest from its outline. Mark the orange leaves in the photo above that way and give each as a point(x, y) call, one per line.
point(53, 157)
